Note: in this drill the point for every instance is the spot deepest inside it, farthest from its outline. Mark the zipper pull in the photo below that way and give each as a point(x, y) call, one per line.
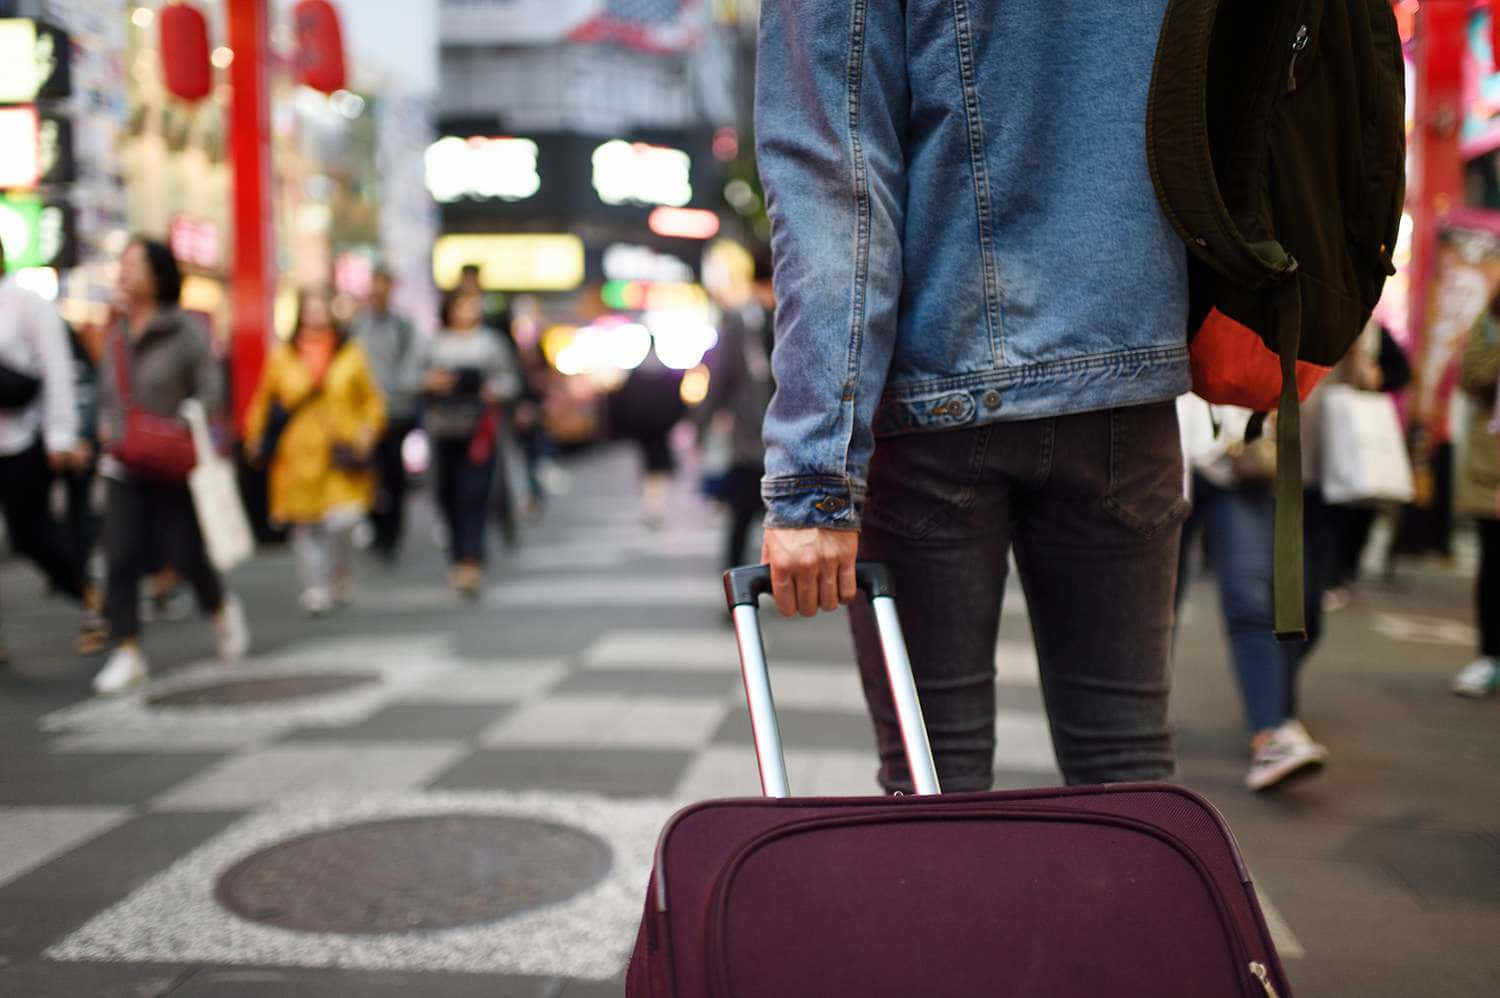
point(1264, 976)
point(1298, 44)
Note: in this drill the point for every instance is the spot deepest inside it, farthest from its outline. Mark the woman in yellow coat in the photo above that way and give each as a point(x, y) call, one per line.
point(314, 420)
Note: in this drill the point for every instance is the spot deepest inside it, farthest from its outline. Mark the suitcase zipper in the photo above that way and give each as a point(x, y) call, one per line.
point(1264, 976)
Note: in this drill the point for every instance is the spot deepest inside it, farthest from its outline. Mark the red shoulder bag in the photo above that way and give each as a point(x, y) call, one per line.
point(155, 446)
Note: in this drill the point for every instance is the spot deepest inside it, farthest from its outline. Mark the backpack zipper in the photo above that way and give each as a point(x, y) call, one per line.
point(1298, 44)
point(1264, 976)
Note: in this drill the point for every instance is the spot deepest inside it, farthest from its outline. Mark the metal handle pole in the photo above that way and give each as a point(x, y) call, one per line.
point(763, 723)
point(743, 587)
point(904, 693)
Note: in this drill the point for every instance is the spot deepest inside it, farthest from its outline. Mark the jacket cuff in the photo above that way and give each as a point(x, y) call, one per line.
point(818, 501)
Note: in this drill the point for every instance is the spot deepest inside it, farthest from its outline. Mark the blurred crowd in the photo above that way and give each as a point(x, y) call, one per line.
point(94, 460)
point(352, 406)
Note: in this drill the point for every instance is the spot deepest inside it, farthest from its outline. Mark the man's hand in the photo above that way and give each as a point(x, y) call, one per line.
point(811, 568)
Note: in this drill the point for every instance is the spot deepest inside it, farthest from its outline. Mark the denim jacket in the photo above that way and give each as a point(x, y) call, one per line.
point(964, 229)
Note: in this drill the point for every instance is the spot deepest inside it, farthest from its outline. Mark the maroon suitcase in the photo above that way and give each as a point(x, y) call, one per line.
point(1124, 890)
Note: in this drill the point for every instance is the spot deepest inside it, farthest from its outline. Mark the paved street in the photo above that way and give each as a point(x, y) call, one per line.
point(518, 757)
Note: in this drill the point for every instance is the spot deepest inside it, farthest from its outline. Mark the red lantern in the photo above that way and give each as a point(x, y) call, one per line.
point(319, 60)
point(1495, 33)
point(184, 52)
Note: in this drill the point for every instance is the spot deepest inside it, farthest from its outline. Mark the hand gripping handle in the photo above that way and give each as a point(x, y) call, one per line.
point(743, 588)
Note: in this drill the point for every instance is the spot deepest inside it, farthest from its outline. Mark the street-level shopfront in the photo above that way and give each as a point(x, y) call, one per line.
point(596, 240)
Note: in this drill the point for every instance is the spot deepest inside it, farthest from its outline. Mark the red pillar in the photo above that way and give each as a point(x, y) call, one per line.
point(253, 283)
point(1436, 179)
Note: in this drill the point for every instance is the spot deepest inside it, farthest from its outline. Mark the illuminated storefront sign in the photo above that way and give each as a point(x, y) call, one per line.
point(478, 167)
point(684, 223)
point(628, 262)
point(33, 61)
point(55, 150)
point(34, 148)
point(20, 147)
point(512, 262)
point(36, 233)
point(638, 173)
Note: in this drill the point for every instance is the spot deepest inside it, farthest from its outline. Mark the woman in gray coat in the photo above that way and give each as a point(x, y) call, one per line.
point(166, 360)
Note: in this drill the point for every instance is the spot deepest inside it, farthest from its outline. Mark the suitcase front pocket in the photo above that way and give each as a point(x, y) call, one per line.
point(937, 901)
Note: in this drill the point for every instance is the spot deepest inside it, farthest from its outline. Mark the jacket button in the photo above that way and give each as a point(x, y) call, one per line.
point(992, 399)
point(830, 504)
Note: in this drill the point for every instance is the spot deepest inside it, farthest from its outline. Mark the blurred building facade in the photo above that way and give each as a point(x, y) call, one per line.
point(346, 185)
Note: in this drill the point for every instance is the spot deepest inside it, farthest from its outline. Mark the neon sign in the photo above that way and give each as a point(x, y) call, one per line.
point(33, 61)
point(638, 173)
point(478, 167)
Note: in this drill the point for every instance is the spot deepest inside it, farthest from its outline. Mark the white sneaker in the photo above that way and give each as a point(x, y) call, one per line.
point(1477, 679)
point(1294, 730)
point(125, 670)
point(316, 602)
point(231, 633)
point(1280, 757)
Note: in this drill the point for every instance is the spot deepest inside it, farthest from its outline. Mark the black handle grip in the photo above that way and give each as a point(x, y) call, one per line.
point(746, 585)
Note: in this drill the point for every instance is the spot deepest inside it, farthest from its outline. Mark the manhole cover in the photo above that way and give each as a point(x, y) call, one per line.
point(274, 689)
point(409, 874)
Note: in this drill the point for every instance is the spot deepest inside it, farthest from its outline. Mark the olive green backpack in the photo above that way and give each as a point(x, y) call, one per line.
point(1276, 140)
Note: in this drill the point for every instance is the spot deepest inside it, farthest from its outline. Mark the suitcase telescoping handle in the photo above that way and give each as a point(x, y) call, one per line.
point(743, 588)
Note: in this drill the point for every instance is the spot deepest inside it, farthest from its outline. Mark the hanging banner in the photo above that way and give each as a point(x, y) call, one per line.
point(516, 22)
point(657, 26)
point(1468, 278)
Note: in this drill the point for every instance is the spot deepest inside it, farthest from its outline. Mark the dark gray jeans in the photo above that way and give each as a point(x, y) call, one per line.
point(1092, 504)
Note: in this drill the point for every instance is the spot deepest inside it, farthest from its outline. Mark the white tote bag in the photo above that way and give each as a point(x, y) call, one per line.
point(1364, 448)
point(216, 497)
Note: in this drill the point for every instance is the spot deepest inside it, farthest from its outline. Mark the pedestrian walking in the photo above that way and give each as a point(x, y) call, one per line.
point(314, 423)
point(1376, 364)
point(468, 376)
point(390, 343)
point(739, 390)
point(1478, 495)
point(157, 357)
point(1234, 511)
point(644, 410)
point(512, 498)
point(40, 435)
point(980, 335)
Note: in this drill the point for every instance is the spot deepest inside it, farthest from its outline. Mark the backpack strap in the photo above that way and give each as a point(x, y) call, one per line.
point(1180, 157)
point(1287, 559)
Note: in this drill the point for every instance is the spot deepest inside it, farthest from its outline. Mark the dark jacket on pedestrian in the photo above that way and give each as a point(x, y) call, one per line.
point(739, 382)
point(170, 362)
